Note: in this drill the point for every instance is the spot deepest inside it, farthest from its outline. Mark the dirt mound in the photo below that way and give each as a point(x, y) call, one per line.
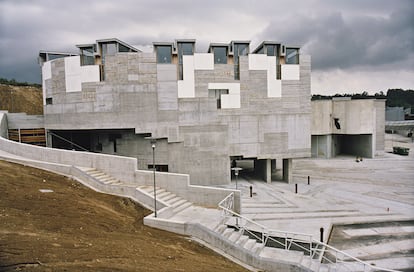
point(53, 223)
point(26, 99)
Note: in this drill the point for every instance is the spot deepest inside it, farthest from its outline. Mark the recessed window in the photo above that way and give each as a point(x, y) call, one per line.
point(164, 54)
point(49, 101)
point(292, 56)
point(216, 94)
point(123, 48)
point(220, 55)
point(184, 48)
point(87, 57)
point(239, 50)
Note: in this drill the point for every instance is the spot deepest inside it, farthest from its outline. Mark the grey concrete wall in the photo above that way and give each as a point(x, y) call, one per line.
point(379, 143)
point(198, 138)
point(23, 121)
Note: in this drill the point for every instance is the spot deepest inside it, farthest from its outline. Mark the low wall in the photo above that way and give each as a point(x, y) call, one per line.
point(23, 121)
point(179, 184)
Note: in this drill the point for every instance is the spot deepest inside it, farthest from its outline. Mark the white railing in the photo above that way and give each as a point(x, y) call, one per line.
point(337, 259)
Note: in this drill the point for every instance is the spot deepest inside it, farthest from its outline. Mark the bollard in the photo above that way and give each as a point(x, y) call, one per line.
point(321, 230)
point(251, 191)
point(296, 188)
point(308, 180)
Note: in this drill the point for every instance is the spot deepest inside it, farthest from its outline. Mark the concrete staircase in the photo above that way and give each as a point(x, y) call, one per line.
point(168, 204)
point(175, 203)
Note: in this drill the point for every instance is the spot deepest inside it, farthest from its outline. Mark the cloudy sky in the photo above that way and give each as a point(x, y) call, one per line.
point(356, 45)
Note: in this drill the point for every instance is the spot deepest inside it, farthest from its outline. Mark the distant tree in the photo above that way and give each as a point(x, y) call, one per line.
point(13, 82)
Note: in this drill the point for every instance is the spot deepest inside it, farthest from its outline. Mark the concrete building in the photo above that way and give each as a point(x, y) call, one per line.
point(206, 109)
point(345, 126)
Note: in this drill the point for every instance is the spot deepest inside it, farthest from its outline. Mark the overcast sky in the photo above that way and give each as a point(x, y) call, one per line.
point(356, 45)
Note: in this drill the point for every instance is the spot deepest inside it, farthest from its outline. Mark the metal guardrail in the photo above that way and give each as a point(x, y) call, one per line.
point(324, 253)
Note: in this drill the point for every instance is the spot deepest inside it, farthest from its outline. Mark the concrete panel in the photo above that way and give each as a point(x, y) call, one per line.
point(290, 72)
point(186, 86)
point(46, 74)
point(299, 131)
point(258, 62)
point(203, 61)
point(90, 73)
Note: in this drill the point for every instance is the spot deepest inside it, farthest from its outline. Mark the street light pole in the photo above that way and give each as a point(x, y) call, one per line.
point(153, 170)
point(236, 173)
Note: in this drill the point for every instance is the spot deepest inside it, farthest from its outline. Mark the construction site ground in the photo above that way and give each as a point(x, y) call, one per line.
point(52, 223)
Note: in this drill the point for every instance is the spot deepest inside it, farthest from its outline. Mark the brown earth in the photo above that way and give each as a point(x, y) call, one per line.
point(74, 228)
point(21, 99)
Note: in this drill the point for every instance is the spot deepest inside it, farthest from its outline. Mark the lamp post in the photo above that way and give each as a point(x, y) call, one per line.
point(153, 142)
point(236, 173)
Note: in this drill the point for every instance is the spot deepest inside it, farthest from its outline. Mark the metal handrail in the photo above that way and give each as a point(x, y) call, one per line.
point(227, 206)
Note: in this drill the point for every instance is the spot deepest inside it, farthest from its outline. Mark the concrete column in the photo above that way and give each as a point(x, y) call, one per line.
point(268, 171)
point(264, 170)
point(329, 146)
point(287, 170)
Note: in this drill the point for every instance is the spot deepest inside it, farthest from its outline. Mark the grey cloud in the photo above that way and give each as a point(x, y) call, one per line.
point(338, 40)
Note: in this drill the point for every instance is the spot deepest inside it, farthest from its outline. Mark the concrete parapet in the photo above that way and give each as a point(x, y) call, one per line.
point(179, 184)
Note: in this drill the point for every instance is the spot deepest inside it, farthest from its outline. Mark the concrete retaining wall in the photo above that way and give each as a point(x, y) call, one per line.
point(24, 121)
point(217, 241)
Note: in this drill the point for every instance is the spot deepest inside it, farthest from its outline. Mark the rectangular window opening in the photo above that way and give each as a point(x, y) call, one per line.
point(164, 54)
point(216, 94)
point(49, 101)
point(220, 55)
point(292, 56)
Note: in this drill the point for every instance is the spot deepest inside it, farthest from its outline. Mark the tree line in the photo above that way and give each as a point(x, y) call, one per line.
point(395, 97)
point(13, 82)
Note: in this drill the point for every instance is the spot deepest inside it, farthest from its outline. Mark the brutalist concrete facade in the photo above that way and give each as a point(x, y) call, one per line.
point(264, 115)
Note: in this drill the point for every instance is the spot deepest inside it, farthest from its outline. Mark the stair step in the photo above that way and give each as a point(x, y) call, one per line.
point(257, 248)
point(110, 181)
point(282, 254)
point(249, 244)
point(168, 197)
point(163, 194)
point(306, 262)
point(173, 200)
point(182, 207)
point(315, 264)
point(220, 228)
point(228, 232)
point(242, 240)
point(178, 203)
point(324, 268)
point(235, 236)
point(145, 188)
point(98, 175)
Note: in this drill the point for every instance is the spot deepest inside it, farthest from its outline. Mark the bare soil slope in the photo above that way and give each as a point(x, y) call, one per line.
point(21, 99)
point(76, 229)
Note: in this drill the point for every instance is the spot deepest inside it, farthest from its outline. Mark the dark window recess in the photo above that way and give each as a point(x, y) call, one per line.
point(164, 54)
point(123, 48)
point(184, 48)
point(220, 55)
point(216, 94)
point(292, 56)
point(49, 101)
point(337, 124)
point(87, 57)
point(112, 138)
point(239, 50)
point(159, 167)
point(98, 147)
